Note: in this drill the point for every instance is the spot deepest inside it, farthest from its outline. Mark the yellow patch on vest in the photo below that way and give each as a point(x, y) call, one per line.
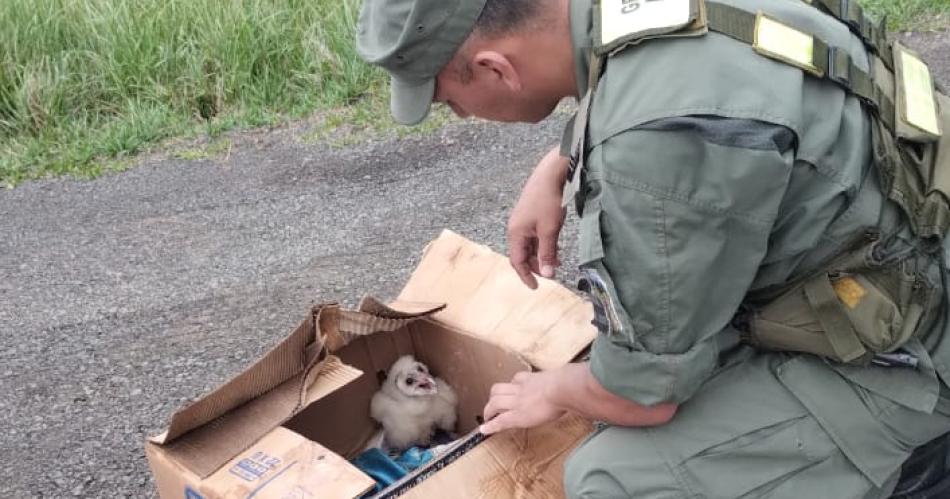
point(919, 108)
point(785, 43)
point(849, 291)
point(620, 18)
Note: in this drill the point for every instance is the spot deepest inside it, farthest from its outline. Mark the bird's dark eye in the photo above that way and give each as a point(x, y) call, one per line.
point(410, 381)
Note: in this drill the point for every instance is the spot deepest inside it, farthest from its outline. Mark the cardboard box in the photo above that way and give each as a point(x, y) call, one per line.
point(286, 426)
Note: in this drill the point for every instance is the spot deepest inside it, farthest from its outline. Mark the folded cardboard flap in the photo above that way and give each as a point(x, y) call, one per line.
point(209, 432)
point(278, 365)
point(206, 448)
point(548, 326)
point(283, 465)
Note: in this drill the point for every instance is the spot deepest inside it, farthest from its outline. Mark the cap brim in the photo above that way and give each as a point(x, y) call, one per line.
point(410, 102)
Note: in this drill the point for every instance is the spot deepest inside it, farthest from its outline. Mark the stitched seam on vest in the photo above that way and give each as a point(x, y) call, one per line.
point(663, 250)
point(621, 181)
point(829, 173)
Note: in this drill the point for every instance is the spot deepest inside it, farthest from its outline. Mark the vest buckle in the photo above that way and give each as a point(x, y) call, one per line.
point(839, 71)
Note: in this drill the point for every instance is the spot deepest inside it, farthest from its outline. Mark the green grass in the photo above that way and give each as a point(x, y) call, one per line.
point(214, 149)
point(83, 82)
point(86, 84)
point(903, 15)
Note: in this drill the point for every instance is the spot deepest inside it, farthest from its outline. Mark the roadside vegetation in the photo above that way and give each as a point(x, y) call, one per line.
point(911, 15)
point(85, 84)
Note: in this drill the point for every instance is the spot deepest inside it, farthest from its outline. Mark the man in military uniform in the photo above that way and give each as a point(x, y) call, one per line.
point(747, 193)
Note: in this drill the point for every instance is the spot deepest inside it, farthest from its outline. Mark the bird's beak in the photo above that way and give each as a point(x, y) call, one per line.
point(427, 383)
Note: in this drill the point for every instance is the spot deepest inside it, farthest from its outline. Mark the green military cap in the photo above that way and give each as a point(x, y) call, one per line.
point(413, 40)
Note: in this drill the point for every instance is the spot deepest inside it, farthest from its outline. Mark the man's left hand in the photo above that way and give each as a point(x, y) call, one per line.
point(525, 402)
point(536, 221)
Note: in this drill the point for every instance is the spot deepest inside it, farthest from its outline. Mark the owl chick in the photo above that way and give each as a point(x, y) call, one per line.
point(412, 403)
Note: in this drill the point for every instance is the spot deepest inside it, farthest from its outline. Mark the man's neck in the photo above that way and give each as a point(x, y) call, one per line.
point(545, 55)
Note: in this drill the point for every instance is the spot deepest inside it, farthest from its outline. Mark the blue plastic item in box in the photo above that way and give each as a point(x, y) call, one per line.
point(375, 463)
point(387, 470)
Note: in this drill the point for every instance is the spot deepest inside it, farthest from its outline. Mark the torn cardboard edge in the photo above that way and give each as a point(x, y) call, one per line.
point(484, 298)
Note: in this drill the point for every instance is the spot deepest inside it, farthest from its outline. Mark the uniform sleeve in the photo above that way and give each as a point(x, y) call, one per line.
point(676, 220)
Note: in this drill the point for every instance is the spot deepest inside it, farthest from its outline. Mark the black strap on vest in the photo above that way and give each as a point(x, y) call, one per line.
point(852, 15)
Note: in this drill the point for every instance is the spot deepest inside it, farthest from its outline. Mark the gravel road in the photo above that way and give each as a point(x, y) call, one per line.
point(123, 297)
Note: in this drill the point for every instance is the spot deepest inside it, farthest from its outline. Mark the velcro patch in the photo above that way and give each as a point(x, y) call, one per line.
point(785, 43)
point(918, 106)
point(849, 291)
point(629, 18)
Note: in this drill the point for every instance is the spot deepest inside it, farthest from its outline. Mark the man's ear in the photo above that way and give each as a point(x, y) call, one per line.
point(495, 67)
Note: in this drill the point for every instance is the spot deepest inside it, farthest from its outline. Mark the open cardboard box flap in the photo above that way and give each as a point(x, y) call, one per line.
point(547, 326)
point(458, 283)
point(207, 433)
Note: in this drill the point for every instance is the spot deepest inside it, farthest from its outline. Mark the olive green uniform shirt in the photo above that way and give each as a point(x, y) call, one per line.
point(712, 171)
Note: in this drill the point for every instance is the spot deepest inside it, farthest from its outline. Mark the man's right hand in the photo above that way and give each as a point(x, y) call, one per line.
point(536, 220)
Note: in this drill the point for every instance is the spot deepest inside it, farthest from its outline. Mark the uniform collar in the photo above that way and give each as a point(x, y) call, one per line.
point(581, 41)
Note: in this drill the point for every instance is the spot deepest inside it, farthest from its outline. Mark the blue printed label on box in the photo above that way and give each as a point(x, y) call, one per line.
point(255, 466)
point(191, 494)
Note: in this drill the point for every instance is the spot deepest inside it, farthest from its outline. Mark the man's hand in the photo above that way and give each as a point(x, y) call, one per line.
point(523, 403)
point(532, 399)
point(536, 220)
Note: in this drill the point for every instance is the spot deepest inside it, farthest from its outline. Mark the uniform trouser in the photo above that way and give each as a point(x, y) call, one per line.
point(742, 435)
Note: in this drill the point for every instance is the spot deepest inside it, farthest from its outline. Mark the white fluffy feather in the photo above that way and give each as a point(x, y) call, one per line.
point(412, 404)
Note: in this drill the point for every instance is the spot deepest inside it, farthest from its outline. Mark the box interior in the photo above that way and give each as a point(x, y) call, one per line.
point(341, 420)
point(232, 439)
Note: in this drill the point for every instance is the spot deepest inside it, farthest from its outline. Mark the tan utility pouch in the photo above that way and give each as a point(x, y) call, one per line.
point(844, 316)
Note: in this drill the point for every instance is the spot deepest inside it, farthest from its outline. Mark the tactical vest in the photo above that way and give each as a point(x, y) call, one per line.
point(851, 308)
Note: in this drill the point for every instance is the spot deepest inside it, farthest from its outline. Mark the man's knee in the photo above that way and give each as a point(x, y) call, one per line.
point(586, 475)
point(617, 463)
